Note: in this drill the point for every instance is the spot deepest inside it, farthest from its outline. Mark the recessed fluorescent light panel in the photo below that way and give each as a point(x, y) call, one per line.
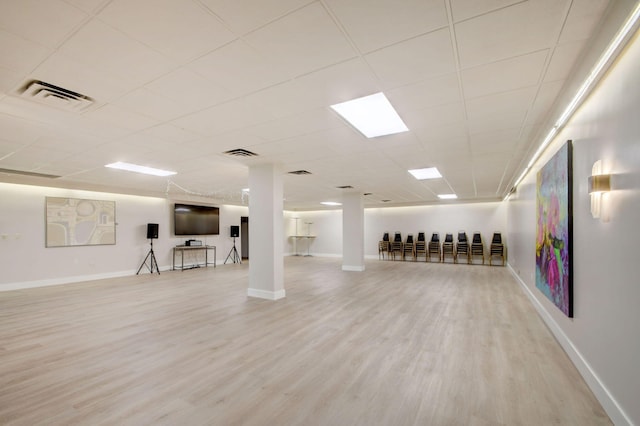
point(330, 203)
point(139, 169)
point(371, 115)
point(447, 196)
point(428, 173)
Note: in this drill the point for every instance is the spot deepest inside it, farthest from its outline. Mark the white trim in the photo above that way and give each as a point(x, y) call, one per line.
point(69, 280)
point(264, 294)
point(602, 394)
point(353, 268)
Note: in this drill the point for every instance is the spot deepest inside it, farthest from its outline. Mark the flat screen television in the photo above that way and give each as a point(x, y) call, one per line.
point(196, 220)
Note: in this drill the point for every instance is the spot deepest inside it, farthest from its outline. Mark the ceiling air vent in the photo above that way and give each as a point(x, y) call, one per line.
point(24, 173)
point(385, 201)
point(53, 95)
point(300, 172)
point(345, 187)
point(241, 153)
point(367, 193)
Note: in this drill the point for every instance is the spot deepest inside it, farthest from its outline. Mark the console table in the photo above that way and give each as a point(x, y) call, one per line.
point(182, 249)
point(303, 237)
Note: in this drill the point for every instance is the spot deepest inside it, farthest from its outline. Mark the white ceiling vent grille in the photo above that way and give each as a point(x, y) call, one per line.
point(55, 96)
point(241, 153)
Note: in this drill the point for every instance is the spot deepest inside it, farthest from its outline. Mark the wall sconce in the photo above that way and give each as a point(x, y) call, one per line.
point(598, 184)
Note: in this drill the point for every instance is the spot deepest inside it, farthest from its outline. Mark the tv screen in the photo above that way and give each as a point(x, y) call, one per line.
point(196, 220)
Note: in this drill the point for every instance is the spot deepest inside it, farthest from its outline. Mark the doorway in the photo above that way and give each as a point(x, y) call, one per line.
point(244, 237)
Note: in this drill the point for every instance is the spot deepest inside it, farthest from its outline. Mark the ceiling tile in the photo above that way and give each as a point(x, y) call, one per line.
point(372, 25)
point(563, 60)
point(246, 15)
point(258, 70)
point(99, 45)
point(290, 39)
point(47, 23)
point(515, 30)
point(583, 19)
point(502, 76)
point(465, 9)
point(179, 29)
point(426, 94)
point(189, 90)
point(20, 55)
point(414, 60)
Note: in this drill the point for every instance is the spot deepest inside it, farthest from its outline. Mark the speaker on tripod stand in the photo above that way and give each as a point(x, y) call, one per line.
point(234, 232)
point(152, 233)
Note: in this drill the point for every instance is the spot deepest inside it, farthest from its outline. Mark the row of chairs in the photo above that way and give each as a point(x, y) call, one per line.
point(447, 250)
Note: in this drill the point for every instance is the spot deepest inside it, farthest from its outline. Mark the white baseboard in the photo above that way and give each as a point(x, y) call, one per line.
point(264, 294)
point(69, 280)
point(353, 268)
point(602, 394)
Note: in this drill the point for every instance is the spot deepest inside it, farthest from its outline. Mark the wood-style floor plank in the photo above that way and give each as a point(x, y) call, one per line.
point(401, 343)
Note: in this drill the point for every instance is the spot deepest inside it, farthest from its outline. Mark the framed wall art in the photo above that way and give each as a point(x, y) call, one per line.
point(79, 222)
point(554, 229)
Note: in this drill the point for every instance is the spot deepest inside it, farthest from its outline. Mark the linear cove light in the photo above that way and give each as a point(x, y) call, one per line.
point(139, 169)
point(371, 115)
point(330, 203)
point(428, 173)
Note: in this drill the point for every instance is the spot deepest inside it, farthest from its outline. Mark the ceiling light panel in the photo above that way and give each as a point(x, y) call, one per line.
point(139, 169)
point(426, 173)
point(371, 115)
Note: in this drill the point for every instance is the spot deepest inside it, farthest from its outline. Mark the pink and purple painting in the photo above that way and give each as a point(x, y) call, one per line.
point(554, 275)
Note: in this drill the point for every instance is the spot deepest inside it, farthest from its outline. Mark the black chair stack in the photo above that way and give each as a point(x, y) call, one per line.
point(409, 248)
point(396, 246)
point(447, 248)
point(477, 247)
point(434, 247)
point(421, 246)
point(496, 248)
point(384, 246)
point(462, 247)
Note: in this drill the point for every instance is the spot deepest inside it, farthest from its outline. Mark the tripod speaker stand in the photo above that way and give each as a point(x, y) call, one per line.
point(152, 232)
point(233, 254)
point(153, 263)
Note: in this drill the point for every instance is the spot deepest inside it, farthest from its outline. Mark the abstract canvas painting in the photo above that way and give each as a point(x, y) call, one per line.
point(554, 230)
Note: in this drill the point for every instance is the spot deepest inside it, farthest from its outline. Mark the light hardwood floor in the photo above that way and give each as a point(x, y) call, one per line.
point(402, 343)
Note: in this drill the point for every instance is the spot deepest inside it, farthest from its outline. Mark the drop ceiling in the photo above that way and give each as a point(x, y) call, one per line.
point(175, 84)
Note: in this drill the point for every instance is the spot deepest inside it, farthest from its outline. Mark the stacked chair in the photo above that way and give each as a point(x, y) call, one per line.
point(497, 248)
point(448, 249)
point(421, 246)
point(477, 247)
point(434, 247)
point(413, 249)
point(409, 248)
point(384, 246)
point(462, 247)
point(396, 246)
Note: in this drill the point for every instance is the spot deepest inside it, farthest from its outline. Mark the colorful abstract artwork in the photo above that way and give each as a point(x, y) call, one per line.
point(554, 238)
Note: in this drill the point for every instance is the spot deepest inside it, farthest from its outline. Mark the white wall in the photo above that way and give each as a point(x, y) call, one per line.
point(603, 338)
point(25, 262)
point(485, 218)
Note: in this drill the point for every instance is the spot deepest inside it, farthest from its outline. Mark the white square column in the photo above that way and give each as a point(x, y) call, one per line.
point(266, 266)
point(352, 232)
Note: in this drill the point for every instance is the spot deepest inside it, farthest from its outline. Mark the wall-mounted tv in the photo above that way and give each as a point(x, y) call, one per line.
point(196, 220)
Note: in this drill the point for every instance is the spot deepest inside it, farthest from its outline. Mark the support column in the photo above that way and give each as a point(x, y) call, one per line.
point(266, 278)
point(352, 232)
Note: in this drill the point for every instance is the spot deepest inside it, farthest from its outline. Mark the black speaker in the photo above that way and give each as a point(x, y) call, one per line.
point(152, 230)
point(235, 231)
